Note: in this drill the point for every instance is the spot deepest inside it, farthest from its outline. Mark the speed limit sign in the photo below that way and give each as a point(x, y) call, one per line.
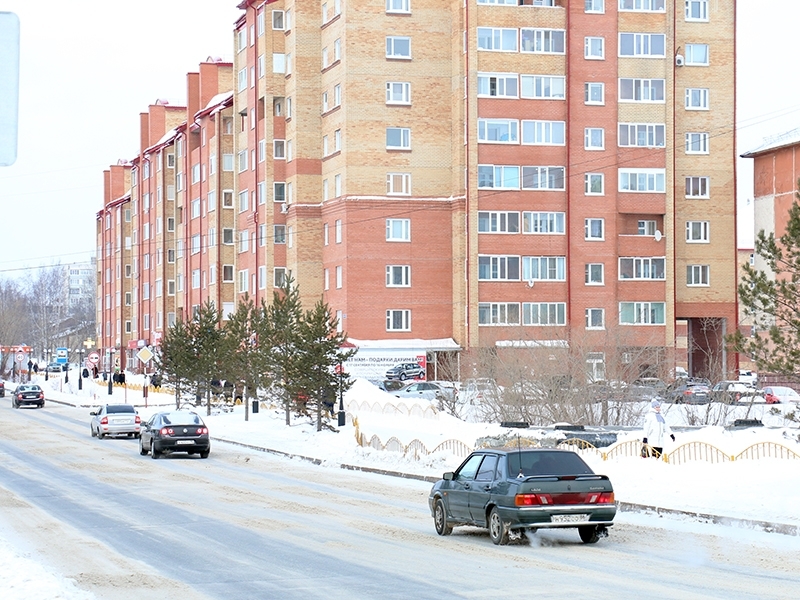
point(20, 357)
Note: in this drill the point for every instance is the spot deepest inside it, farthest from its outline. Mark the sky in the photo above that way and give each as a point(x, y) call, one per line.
point(695, 487)
point(90, 67)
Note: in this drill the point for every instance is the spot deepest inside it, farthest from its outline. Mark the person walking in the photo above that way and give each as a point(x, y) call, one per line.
point(655, 431)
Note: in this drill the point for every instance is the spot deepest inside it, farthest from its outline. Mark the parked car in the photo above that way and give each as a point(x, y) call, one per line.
point(689, 392)
point(508, 492)
point(115, 419)
point(735, 391)
point(776, 394)
point(646, 388)
point(176, 431)
point(54, 367)
point(475, 390)
point(405, 371)
point(747, 376)
point(424, 390)
point(28, 393)
point(2, 388)
point(391, 385)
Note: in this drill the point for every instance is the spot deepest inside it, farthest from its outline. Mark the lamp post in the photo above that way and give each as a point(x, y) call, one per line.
point(111, 364)
point(341, 416)
point(80, 369)
point(66, 369)
point(47, 365)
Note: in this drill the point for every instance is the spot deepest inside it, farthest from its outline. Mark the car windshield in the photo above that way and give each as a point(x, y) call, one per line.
point(29, 388)
point(120, 408)
point(182, 418)
point(547, 463)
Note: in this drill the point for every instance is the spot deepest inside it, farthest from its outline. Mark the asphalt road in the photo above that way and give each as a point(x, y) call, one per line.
point(243, 524)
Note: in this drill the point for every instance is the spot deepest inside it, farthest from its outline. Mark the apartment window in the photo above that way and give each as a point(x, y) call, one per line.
point(498, 177)
point(641, 313)
point(595, 6)
point(544, 133)
point(288, 63)
point(646, 268)
point(697, 275)
point(543, 268)
point(244, 280)
point(244, 241)
point(289, 107)
point(325, 105)
point(398, 276)
point(646, 228)
point(543, 222)
point(594, 93)
point(593, 184)
point(593, 138)
point(398, 184)
point(195, 244)
point(337, 49)
point(697, 232)
point(279, 191)
point(279, 149)
point(337, 95)
point(698, 187)
point(544, 313)
point(398, 47)
point(195, 208)
point(697, 10)
point(593, 48)
point(398, 6)
point(542, 178)
point(279, 234)
point(227, 273)
point(498, 268)
point(227, 236)
point(211, 203)
point(642, 5)
point(497, 85)
point(242, 80)
point(643, 135)
point(642, 44)
point(243, 201)
point(593, 274)
point(279, 277)
point(501, 131)
point(498, 222)
point(337, 185)
point(278, 62)
point(227, 198)
point(398, 138)
point(398, 92)
point(642, 180)
point(697, 55)
point(398, 320)
point(542, 41)
point(338, 231)
point(641, 90)
point(227, 162)
point(324, 57)
point(196, 279)
point(397, 230)
point(498, 313)
point(542, 87)
point(696, 98)
point(170, 255)
point(497, 39)
point(593, 229)
point(337, 140)
point(697, 143)
point(595, 318)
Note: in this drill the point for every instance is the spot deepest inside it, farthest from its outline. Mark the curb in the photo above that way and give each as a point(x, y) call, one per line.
point(765, 526)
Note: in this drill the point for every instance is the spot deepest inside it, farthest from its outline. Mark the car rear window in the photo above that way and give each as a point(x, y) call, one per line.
point(182, 418)
point(547, 463)
point(120, 408)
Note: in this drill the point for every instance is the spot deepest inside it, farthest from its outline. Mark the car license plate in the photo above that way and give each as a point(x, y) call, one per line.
point(185, 441)
point(569, 518)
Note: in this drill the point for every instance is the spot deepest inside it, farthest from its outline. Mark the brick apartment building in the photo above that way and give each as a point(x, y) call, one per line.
point(450, 175)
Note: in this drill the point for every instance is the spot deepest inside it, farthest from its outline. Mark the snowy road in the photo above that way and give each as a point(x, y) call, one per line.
point(242, 524)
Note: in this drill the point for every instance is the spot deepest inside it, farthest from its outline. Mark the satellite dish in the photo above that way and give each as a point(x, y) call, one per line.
point(657, 235)
point(530, 283)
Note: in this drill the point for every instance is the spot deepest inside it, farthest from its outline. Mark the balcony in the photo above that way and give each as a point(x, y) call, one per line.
point(640, 245)
point(641, 204)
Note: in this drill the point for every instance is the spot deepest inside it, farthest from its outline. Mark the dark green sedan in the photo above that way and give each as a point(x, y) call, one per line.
point(510, 491)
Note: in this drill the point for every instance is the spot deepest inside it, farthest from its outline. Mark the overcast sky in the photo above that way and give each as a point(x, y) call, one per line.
point(89, 67)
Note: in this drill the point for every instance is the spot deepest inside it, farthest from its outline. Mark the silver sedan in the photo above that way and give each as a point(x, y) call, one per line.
point(115, 419)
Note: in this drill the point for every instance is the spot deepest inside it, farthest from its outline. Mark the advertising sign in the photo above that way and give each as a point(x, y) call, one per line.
point(372, 363)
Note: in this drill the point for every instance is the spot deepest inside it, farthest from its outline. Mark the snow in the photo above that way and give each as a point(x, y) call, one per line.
point(683, 492)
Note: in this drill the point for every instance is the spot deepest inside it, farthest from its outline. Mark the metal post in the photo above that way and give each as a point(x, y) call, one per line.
point(341, 421)
point(110, 364)
point(47, 365)
point(80, 369)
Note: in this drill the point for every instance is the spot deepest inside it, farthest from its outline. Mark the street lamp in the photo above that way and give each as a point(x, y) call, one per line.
point(80, 369)
point(66, 367)
point(110, 364)
point(341, 416)
point(47, 365)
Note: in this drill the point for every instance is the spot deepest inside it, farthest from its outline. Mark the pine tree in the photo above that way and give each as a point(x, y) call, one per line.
point(175, 357)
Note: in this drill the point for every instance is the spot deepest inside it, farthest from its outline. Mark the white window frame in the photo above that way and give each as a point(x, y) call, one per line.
point(491, 131)
point(594, 48)
point(696, 10)
point(398, 6)
point(398, 138)
point(398, 184)
point(542, 87)
point(539, 40)
point(698, 275)
point(698, 187)
point(645, 91)
point(594, 274)
point(498, 85)
point(279, 149)
point(697, 55)
point(642, 268)
point(398, 319)
point(653, 134)
point(595, 6)
point(646, 181)
point(543, 223)
point(544, 314)
point(498, 267)
point(497, 39)
point(392, 50)
point(544, 268)
point(595, 318)
point(498, 177)
point(398, 276)
point(591, 181)
point(589, 231)
point(398, 92)
point(647, 227)
point(697, 142)
point(543, 133)
point(643, 313)
point(642, 44)
point(542, 178)
point(642, 6)
point(502, 222)
point(698, 232)
point(397, 230)
point(491, 314)
point(594, 138)
point(589, 90)
point(696, 99)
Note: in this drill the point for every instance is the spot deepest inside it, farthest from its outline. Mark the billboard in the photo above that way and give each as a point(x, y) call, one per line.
point(372, 363)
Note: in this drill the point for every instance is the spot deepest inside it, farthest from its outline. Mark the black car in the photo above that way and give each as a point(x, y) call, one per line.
point(690, 392)
point(176, 431)
point(405, 371)
point(509, 491)
point(28, 393)
point(2, 388)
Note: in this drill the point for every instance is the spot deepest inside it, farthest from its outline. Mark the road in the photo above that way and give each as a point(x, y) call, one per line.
point(243, 524)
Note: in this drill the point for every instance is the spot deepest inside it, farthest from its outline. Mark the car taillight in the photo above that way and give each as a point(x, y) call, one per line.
point(166, 431)
point(202, 430)
point(603, 498)
point(104, 421)
point(19, 396)
point(687, 393)
point(138, 419)
point(41, 396)
point(532, 499)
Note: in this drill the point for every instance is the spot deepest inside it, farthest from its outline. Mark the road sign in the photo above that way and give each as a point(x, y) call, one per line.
point(20, 357)
point(93, 358)
point(61, 356)
point(144, 355)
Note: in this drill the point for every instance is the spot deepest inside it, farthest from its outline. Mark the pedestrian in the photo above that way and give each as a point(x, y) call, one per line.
point(655, 431)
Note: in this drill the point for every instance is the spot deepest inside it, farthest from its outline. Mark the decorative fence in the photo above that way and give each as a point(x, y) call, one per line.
point(688, 452)
point(413, 410)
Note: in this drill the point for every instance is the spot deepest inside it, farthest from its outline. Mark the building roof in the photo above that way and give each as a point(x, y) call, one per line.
point(775, 142)
point(408, 344)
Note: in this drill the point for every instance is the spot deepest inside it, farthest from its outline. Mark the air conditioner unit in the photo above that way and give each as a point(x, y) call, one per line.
point(679, 60)
point(284, 208)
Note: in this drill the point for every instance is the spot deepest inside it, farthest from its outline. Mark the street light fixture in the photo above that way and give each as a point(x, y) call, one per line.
point(110, 364)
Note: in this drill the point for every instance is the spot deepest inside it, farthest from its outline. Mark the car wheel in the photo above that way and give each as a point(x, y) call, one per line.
point(94, 433)
point(41, 405)
point(153, 452)
point(204, 453)
point(100, 435)
point(498, 530)
point(440, 518)
point(142, 449)
point(403, 376)
point(589, 534)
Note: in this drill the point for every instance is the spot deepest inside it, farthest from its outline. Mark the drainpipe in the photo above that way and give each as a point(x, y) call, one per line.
point(468, 245)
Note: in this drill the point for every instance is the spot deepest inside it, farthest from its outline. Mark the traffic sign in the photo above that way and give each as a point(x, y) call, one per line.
point(20, 357)
point(144, 355)
point(61, 355)
point(93, 358)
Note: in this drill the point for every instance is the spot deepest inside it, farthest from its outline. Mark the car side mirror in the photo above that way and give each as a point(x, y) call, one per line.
point(93, 413)
point(448, 476)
